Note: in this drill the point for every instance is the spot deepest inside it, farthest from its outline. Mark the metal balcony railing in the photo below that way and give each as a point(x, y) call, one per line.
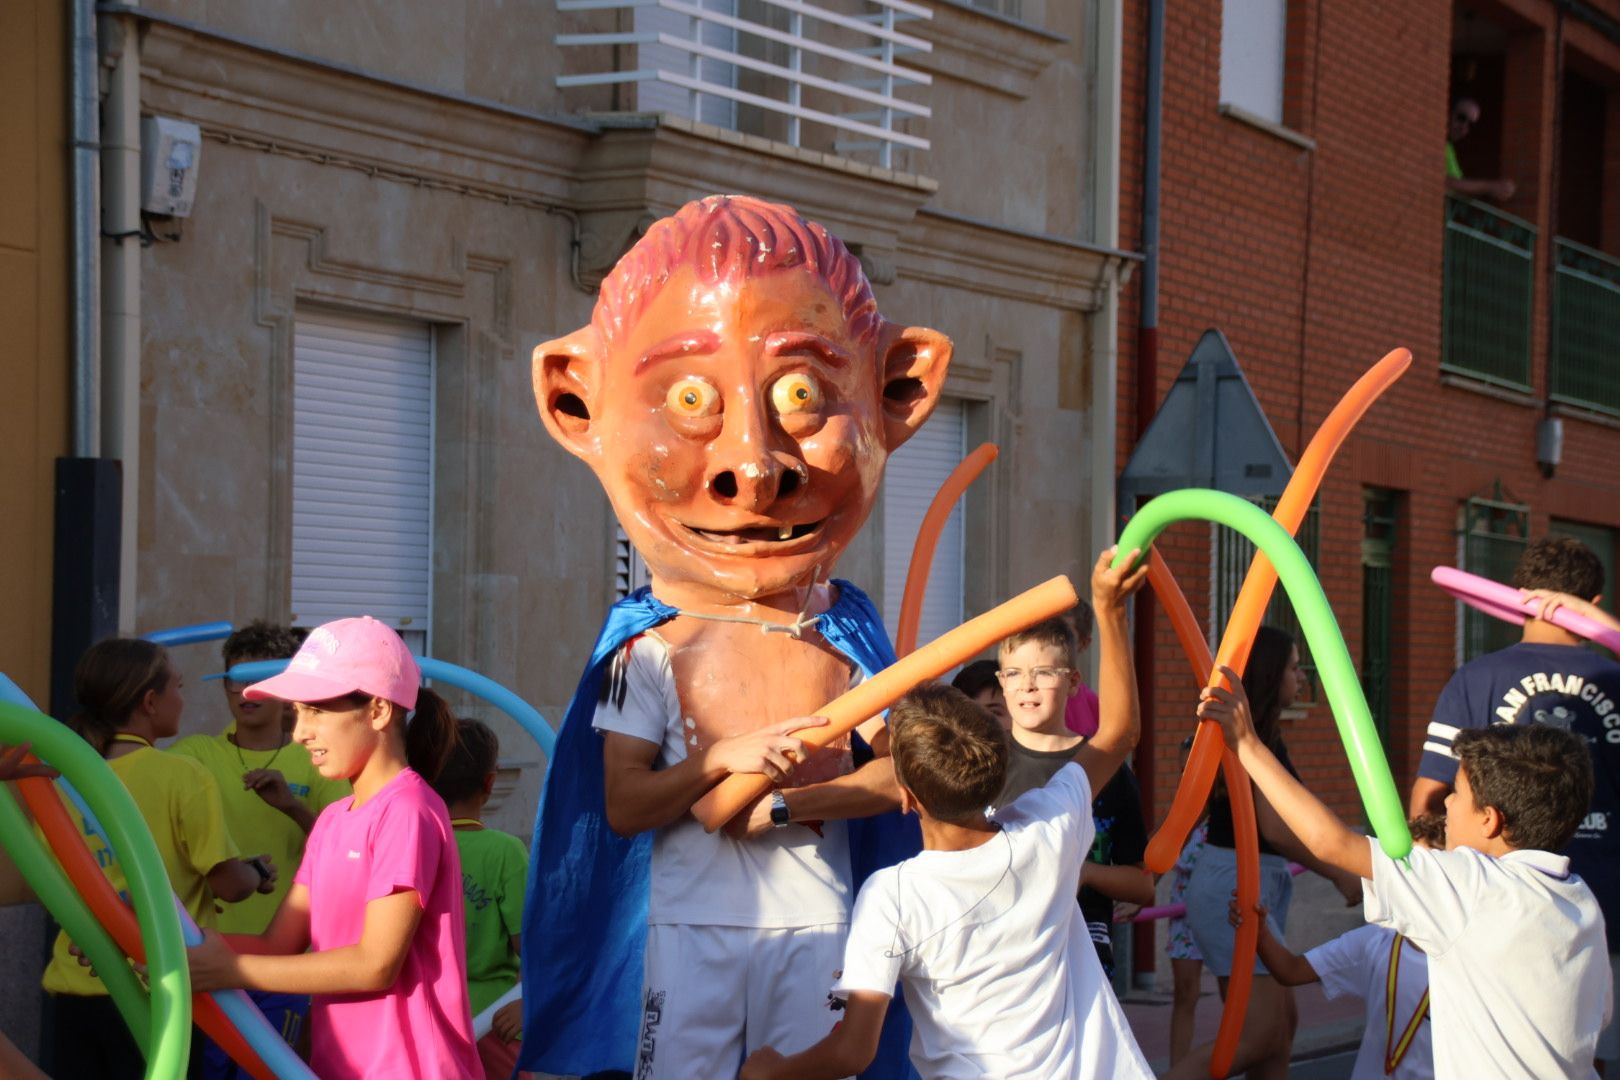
point(1489, 290)
point(1585, 327)
point(830, 63)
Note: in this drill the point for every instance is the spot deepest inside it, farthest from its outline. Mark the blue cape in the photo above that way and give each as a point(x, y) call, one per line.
point(585, 915)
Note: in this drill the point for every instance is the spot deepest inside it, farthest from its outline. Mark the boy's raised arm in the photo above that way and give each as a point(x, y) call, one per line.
point(1317, 827)
point(1119, 719)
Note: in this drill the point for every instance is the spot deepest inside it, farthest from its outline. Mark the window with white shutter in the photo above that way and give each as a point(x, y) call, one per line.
point(913, 477)
point(362, 477)
point(1253, 56)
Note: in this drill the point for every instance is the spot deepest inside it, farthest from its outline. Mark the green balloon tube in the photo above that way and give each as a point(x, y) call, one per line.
point(1338, 675)
point(54, 890)
point(167, 970)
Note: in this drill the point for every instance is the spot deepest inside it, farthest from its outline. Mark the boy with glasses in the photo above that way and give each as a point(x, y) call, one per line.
point(1039, 675)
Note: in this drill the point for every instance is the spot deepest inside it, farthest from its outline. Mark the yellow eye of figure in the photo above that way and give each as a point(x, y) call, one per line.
point(693, 397)
point(796, 393)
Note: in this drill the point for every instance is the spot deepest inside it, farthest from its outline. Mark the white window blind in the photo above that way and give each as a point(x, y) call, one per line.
point(1253, 47)
point(362, 471)
point(914, 475)
point(658, 96)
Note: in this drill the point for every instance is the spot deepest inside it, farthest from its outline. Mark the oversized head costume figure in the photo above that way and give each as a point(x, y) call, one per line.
point(737, 394)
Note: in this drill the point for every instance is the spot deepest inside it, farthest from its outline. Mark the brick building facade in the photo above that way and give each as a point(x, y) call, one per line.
point(1311, 226)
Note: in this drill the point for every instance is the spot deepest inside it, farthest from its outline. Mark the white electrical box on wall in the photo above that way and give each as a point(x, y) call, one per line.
point(170, 150)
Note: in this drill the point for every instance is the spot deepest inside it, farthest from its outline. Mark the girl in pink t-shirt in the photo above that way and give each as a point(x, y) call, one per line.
point(373, 927)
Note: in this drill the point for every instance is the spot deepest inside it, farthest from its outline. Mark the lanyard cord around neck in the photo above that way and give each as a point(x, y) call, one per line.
point(1394, 1051)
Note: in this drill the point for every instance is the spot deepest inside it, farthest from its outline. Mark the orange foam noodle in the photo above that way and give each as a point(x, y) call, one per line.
point(848, 711)
point(922, 554)
point(67, 842)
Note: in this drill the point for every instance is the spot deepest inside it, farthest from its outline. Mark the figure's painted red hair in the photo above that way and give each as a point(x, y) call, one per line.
point(726, 238)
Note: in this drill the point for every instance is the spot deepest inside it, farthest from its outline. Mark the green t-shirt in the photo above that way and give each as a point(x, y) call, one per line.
point(257, 827)
point(494, 871)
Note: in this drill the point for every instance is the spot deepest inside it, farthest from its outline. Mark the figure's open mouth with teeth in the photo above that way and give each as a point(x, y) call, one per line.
point(775, 539)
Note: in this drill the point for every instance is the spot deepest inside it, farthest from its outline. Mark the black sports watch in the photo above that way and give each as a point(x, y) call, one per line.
point(780, 815)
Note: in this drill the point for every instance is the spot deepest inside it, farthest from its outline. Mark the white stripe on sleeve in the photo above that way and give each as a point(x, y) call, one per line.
point(1432, 747)
point(1438, 730)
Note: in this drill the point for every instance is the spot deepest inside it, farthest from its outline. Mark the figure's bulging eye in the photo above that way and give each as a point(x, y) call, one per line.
point(795, 393)
point(693, 398)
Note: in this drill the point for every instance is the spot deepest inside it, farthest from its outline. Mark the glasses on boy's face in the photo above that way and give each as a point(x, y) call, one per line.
point(1045, 677)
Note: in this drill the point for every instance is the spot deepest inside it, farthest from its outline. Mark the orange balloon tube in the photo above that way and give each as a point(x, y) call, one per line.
point(80, 865)
point(1246, 835)
point(848, 711)
point(1210, 751)
point(922, 553)
point(1205, 756)
point(1252, 599)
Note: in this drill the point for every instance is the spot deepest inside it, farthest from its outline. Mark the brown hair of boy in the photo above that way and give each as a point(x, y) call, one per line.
point(1562, 564)
point(112, 679)
point(261, 640)
point(1538, 778)
point(1057, 632)
point(949, 752)
point(1429, 829)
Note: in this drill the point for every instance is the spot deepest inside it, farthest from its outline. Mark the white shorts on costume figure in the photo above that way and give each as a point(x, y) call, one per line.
point(712, 995)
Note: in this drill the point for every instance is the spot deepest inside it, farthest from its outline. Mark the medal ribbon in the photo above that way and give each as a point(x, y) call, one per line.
point(1394, 1051)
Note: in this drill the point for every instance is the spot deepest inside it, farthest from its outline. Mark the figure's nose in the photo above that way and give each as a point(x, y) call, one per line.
point(746, 472)
point(755, 481)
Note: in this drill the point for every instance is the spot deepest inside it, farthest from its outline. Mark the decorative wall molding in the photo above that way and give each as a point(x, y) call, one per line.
point(984, 49)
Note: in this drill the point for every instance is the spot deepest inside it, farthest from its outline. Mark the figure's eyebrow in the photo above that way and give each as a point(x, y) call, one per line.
point(789, 341)
point(689, 343)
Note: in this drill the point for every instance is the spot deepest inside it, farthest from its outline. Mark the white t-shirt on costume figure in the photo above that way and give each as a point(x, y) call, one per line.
point(786, 878)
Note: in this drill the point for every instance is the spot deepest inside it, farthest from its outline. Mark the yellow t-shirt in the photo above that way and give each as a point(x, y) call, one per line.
point(258, 827)
point(180, 803)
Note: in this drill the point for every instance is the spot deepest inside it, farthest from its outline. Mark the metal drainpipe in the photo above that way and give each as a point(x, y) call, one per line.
point(121, 291)
point(1147, 403)
point(86, 178)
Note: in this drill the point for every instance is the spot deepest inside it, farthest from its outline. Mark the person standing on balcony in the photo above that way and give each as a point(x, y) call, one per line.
point(1464, 116)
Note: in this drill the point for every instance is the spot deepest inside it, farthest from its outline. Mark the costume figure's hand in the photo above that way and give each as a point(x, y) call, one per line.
point(1111, 586)
point(271, 786)
point(753, 821)
point(1229, 708)
point(507, 1023)
point(771, 750)
point(762, 1064)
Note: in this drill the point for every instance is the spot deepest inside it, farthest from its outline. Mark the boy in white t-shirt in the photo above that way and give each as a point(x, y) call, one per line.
point(1518, 962)
point(1368, 962)
point(981, 929)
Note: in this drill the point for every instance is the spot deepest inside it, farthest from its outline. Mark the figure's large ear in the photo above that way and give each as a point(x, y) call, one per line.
point(567, 384)
point(915, 360)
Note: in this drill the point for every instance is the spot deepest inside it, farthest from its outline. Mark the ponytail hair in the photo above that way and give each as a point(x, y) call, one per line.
point(111, 681)
point(430, 735)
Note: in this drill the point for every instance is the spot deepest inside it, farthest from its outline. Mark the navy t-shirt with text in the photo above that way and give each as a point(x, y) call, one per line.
point(1564, 686)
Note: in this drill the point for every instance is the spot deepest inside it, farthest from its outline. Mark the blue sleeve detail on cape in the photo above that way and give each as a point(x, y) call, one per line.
point(585, 915)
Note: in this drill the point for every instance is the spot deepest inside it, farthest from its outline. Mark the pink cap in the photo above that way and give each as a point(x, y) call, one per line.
point(346, 657)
